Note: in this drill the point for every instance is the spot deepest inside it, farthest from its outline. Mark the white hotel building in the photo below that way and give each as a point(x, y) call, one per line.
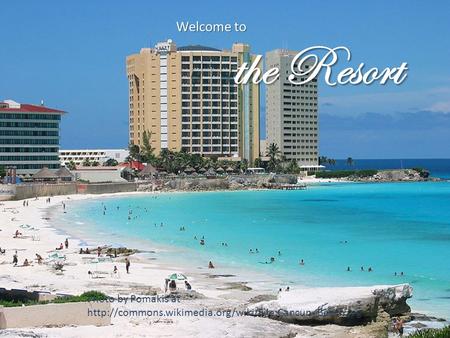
point(98, 155)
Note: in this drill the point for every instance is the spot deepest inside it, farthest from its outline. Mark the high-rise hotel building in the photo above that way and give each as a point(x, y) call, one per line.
point(187, 98)
point(29, 136)
point(291, 112)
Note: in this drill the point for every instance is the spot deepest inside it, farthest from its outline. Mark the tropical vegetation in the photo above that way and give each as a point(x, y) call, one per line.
point(89, 296)
point(432, 333)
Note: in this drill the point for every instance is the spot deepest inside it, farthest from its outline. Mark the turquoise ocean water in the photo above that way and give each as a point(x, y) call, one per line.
point(391, 227)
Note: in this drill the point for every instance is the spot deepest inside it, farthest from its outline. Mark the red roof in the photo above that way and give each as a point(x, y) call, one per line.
point(134, 165)
point(31, 108)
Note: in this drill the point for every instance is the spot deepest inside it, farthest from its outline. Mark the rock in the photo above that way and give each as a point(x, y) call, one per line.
point(342, 306)
point(393, 299)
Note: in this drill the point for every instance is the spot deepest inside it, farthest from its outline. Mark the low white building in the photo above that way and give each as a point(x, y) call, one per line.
point(100, 174)
point(93, 155)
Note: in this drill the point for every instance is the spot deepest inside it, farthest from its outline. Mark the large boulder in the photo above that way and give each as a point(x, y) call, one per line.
point(337, 305)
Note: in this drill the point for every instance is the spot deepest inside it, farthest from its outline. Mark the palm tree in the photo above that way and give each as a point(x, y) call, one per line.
point(146, 151)
point(274, 154)
point(86, 162)
point(323, 160)
point(71, 165)
point(135, 153)
point(110, 162)
point(350, 161)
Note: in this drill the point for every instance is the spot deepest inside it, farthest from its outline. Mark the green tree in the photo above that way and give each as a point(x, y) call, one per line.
point(71, 165)
point(258, 163)
point(323, 160)
point(110, 162)
point(86, 162)
point(243, 165)
point(95, 164)
point(135, 153)
point(274, 154)
point(293, 167)
point(147, 149)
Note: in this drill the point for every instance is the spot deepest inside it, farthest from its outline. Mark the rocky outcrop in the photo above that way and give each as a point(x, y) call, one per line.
point(341, 306)
point(396, 175)
point(232, 182)
point(393, 299)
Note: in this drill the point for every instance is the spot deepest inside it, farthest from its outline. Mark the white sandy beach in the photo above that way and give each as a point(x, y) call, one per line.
point(146, 277)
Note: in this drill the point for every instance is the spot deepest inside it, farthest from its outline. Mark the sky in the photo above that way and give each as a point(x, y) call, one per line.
point(71, 54)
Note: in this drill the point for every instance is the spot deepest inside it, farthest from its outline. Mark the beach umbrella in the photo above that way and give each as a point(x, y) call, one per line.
point(189, 170)
point(177, 276)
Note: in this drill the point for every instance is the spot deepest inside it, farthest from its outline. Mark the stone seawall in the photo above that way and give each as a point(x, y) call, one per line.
point(40, 190)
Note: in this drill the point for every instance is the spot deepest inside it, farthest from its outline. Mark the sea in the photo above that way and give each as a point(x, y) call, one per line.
point(401, 231)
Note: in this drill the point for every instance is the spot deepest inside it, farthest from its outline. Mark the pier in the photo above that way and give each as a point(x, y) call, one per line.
point(288, 186)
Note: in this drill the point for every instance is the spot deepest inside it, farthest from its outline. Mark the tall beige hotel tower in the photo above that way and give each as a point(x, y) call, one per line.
point(291, 113)
point(187, 99)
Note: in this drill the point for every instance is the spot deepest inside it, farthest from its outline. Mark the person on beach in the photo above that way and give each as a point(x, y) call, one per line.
point(99, 251)
point(210, 265)
point(26, 263)
point(39, 258)
point(127, 265)
point(398, 326)
point(15, 259)
point(288, 288)
point(187, 285)
point(166, 284)
point(17, 234)
point(66, 243)
point(61, 246)
point(2, 251)
point(172, 286)
point(115, 269)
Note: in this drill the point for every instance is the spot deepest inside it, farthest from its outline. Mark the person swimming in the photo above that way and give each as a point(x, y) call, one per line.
point(302, 262)
point(348, 268)
point(370, 269)
point(362, 268)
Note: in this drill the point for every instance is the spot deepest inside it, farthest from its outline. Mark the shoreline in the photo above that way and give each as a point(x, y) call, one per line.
point(227, 291)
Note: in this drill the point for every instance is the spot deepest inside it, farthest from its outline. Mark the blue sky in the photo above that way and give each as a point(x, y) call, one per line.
point(72, 55)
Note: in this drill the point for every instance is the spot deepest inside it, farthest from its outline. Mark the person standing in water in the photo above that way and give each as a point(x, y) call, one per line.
point(127, 265)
